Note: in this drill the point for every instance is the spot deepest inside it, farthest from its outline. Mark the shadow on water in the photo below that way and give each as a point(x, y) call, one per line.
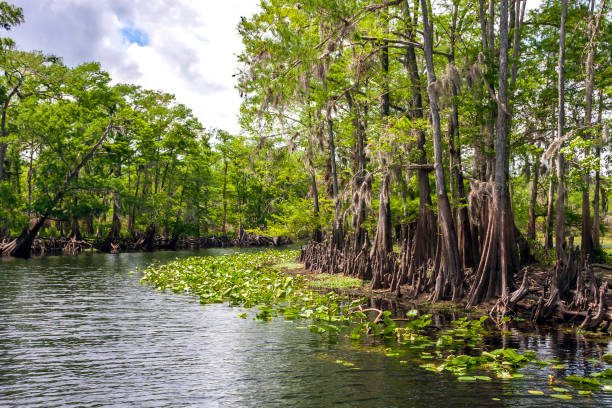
point(82, 331)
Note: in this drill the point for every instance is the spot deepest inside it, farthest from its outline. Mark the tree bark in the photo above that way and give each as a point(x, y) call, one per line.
point(381, 253)
point(337, 234)
point(449, 280)
point(596, 193)
point(499, 255)
point(360, 190)
point(115, 230)
point(317, 235)
point(422, 247)
point(550, 209)
point(467, 249)
point(586, 247)
point(533, 200)
point(560, 228)
point(75, 229)
point(223, 227)
point(132, 219)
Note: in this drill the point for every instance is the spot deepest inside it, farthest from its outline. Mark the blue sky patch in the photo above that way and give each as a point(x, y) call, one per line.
point(133, 35)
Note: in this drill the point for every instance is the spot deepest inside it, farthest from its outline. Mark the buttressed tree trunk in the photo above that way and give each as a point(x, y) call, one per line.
point(337, 240)
point(587, 234)
point(467, 252)
point(449, 279)
point(499, 258)
point(415, 257)
point(360, 187)
point(560, 228)
point(381, 253)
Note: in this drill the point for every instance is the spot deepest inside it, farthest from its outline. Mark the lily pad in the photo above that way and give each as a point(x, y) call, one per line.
point(466, 378)
point(535, 392)
point(562, 396)
point(582, 380)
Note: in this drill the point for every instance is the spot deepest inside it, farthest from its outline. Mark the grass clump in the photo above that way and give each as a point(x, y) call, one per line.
point(328, 281)
point(290, 266)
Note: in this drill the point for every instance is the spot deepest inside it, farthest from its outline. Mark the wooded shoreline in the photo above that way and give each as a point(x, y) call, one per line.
point(445, 150)
point(42, 246)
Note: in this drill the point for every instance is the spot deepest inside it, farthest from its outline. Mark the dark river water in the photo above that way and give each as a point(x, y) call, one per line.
point(83, 332)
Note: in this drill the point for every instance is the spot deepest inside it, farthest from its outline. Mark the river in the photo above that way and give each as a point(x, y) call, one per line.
point(84, 332)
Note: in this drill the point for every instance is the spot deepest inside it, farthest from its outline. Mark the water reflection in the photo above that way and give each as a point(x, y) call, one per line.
point(82, 331)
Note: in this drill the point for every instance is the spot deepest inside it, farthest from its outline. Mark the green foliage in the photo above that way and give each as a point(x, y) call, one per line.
point(325, 280)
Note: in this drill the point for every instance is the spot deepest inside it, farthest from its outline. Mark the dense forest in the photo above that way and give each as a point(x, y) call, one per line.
point(471, 135)
point(88, 162)
point(431, 147)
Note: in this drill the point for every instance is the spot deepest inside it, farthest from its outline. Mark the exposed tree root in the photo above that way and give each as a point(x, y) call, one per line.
point(563, 294)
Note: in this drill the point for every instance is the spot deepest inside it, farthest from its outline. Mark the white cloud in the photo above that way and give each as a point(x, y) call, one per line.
point(190, 48)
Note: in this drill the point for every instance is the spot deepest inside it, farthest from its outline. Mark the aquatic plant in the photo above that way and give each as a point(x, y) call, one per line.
point(255, 280)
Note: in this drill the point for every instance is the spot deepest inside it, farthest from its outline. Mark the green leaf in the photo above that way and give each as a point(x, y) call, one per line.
point(562, 396)
point(535, 392)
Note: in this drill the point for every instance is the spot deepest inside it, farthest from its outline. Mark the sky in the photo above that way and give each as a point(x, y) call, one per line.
point(184, 47)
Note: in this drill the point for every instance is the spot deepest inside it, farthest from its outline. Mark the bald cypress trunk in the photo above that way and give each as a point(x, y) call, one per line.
point(224, 224)
point(360, 190)
point(449, 276)
point(382, 249)
point(587, 230)
point(337, 240)
point(550, 209)
point(560, 228)
point(421, 248)
point(317, 235)
point(596, 193)
point(499, 258)
point(533, 200)
point(467, 249)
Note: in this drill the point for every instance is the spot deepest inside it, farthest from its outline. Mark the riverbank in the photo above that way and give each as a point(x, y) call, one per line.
point(42, 246)
point(398, 305)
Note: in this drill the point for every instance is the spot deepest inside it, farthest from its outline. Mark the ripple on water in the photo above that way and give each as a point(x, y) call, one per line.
point(82, 331)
